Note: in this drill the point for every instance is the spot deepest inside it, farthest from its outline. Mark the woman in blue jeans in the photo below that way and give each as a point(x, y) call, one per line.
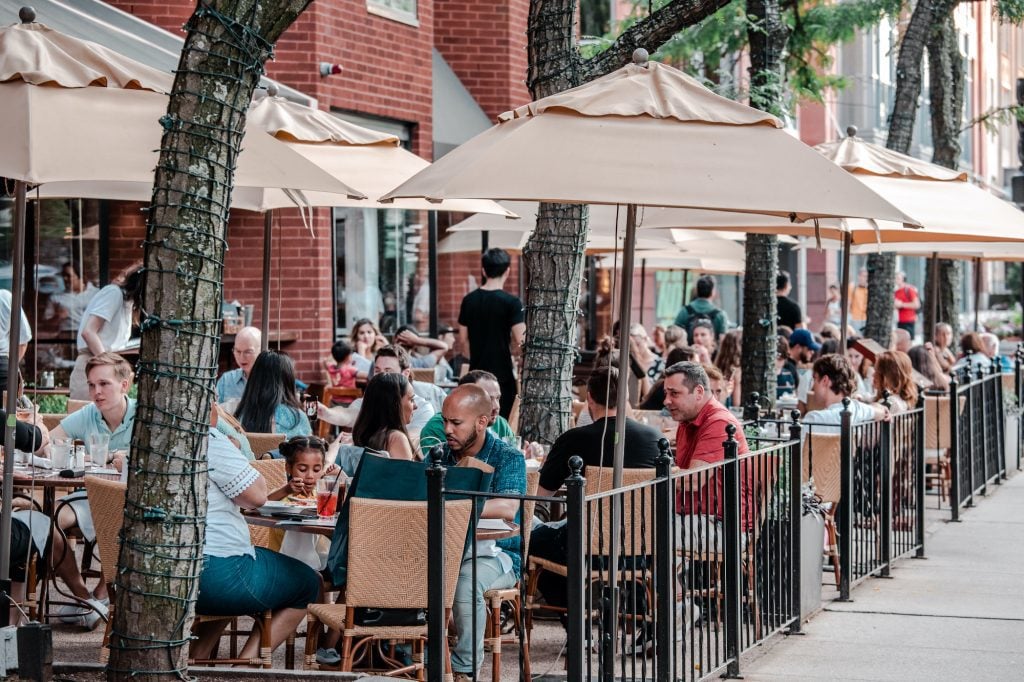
point(237, 578)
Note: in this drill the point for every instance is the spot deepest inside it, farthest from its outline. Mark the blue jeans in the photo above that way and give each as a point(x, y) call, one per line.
point(470, 597)
point(244, 585)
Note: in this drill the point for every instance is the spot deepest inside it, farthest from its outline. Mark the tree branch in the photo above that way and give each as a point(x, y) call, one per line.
point(650, 34)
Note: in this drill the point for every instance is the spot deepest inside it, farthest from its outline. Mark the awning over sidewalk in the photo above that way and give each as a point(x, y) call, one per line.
point(99, 22)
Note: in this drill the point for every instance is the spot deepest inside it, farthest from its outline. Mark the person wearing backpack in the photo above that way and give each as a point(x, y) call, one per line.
point(701, 308)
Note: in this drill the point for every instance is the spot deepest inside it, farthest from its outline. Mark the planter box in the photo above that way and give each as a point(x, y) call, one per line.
point(812, 540)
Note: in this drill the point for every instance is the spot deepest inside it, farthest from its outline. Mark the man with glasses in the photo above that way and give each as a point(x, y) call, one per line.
point(231, 384)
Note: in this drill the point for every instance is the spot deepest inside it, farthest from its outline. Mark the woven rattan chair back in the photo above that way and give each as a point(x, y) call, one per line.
point(424, 374)
point(388, 553)
point(76, 405)
point(937, 435)
point(532, 483)
point(823, 459)
point(637, 511)
point(763, 472)
point(51, 421)
point(273, 472)
point(262, 443)
point(106, 501)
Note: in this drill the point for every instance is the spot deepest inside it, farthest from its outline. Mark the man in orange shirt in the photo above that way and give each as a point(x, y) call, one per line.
point(859, 300)
point(702, 422)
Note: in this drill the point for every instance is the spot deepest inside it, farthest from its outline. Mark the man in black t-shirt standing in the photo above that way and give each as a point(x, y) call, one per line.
point(787, 311)
point(491, 323)
point(595, 444)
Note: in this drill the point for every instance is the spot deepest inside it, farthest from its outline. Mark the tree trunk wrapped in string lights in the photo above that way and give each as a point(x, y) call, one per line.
point(767, 35)
point(227, 44)
point(554, 255)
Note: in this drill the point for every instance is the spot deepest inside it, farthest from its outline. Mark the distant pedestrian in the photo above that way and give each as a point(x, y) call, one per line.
point(787, 311)
point(702, 309)
point(907, 304)
point(833, 306)
point(491, 323)
point(859, 300)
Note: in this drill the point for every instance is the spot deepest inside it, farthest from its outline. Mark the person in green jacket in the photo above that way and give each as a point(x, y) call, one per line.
point(433, 431)
point(701, 307)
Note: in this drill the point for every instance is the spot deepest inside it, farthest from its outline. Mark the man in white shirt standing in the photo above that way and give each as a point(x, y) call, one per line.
point(5, 332)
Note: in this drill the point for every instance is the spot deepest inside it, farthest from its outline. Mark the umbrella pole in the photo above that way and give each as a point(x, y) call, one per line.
point(977, 293)
point(934, 293)
point(268, 222)
point(643, 286)
point(844, 292)
point(621, 396)
point(17, 276)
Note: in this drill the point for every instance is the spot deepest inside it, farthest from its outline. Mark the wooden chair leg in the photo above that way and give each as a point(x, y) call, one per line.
point(533, 576)
point(105, 645)
point(524, 640)
point(266, 652)
point(346, 639)
point(493, 635)
point(312, 641)
point(833, 548)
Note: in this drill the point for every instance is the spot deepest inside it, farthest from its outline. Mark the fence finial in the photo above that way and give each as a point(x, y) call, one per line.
point(576, 466)
point(730, 431)
point(795, 416)
point(663, 446)
point(436, 453)
point(846, 404)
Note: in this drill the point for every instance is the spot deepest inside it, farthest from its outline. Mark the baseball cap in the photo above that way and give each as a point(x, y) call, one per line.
point(802, 337)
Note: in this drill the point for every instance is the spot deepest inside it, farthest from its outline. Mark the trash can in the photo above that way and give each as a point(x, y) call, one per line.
point(812, 542)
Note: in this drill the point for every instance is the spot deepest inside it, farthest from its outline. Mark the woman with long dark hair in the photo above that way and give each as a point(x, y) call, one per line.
point(269, 403)
point(106, 326)
point(728, 358)
point(388, 404)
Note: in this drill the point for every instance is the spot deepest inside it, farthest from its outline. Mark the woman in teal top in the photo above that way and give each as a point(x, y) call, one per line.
point(269, 403)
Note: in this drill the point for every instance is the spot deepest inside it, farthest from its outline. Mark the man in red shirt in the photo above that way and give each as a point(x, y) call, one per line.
point(702, 423)
point(907, 304)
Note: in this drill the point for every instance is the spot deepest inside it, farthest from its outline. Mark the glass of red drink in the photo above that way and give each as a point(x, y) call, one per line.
point(327, 497)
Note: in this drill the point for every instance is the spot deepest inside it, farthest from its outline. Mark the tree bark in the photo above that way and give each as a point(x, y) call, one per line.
point(227, 44)
point(882, 267)
point(767, 36)
point(554, 257)
point(946, 85)
point(950, 276)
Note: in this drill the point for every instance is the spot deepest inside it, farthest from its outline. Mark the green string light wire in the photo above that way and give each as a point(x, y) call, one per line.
point(241, 52)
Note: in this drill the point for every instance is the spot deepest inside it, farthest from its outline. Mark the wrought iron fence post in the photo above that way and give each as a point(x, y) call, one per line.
point(575, 487)
point(795, 520)
point(846, 500)
point(980, 407)
point(731, 528)
point(919, 477)
point(1018, 382)
point(885, 523)
point(752, 410)
point(954, 447)
point(436, 616)
point(664, 574)
point(999, 407)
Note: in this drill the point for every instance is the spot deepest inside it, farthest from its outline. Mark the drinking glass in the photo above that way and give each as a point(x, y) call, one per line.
point(327, 497)
point(99, 445)
point(60, 448)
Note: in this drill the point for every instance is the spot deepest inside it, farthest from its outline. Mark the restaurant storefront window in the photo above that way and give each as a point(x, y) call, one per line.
point(63, 251)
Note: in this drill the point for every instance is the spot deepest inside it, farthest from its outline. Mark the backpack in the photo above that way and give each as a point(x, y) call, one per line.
point(693, 317)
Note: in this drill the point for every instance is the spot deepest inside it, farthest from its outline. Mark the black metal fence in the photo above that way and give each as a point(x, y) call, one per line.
point(709, 564)
point(977, 449)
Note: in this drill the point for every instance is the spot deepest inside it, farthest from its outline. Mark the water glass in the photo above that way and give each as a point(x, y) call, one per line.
point(60, 448)
point(99, 445)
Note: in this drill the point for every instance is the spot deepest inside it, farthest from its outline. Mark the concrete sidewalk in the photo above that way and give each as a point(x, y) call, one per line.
point(957, 615)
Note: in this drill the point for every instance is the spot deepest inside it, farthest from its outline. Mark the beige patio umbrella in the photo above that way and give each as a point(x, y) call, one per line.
point(468, 241)
point(68, 110)
point(648, 135)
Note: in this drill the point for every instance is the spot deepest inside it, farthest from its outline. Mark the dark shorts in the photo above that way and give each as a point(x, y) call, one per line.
point(21, 546)
point(245, 585)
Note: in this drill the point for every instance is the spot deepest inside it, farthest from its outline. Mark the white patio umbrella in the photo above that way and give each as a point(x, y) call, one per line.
point(68, 110)
point(647, 135)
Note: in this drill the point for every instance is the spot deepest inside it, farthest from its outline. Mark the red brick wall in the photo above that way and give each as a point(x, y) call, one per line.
point(485, 44)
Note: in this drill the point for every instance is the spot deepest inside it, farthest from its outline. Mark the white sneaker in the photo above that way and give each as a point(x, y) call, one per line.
point(91, 618)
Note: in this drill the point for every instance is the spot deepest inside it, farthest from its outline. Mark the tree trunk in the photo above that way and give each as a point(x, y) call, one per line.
point(760, 345)
point(227, 44)
point(767, 36)
point(946, 85)
point(554, 257)
point(950, 276)
point(882, 267)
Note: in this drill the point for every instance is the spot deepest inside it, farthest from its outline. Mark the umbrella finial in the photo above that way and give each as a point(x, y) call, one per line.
point(851, 131)
point(272, 90)
point(27, 14)
point(640, 56)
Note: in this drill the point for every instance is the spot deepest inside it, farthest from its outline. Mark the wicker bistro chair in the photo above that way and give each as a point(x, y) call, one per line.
point(495, 598)
point(639, 519)
point(827, 470)
point(273, 473)
point(106, 499)
point(937, 440)
point(262, 443)
point(328, 397)
point(76, 405)
point(386, 554)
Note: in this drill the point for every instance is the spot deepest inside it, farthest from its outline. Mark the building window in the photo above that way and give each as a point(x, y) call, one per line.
point(378, 272)
point(398, 10)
